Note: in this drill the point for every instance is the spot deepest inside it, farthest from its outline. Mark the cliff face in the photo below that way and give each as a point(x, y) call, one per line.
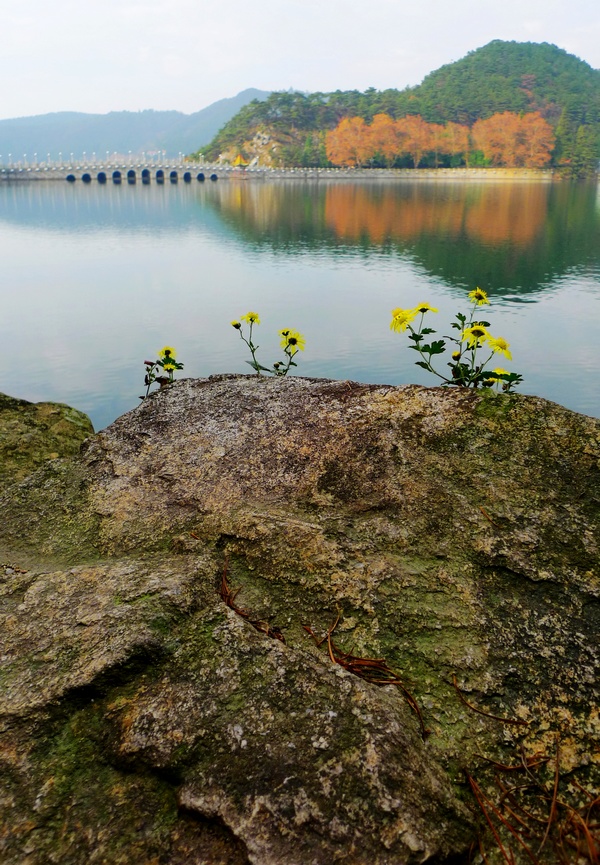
point(150, 714)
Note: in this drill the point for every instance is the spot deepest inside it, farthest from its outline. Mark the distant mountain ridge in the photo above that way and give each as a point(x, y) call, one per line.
point(74, 132)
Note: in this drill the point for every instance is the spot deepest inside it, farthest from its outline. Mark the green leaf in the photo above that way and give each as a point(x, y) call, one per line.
point(422, 364)
point(428, 330)
point(257, 366)
point(438, 346)
point(416, 337)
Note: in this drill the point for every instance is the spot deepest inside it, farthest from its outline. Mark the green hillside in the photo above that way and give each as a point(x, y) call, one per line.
point(288, 128)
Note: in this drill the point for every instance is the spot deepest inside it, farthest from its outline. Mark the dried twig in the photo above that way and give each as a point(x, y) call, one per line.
point(373, 670)
point(552, 813)
point(229, 596)
point(488, 518)
point(515, 721)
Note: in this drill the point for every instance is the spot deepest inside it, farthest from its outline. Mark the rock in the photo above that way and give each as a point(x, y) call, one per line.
point(144, 719)
point(31, 434)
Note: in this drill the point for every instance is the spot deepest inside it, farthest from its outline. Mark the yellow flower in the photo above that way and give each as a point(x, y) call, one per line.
point(167, 352)
point(401, 318)
point(424, 307)
point(292, 339)
point(498, 344)
point(236, 324)
point(478, 296)
point(475, 334)
point(497, 371)
point(168, 366)
point(251, 318)
point(456, 355)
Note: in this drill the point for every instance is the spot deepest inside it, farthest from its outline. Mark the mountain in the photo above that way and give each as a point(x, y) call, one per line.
point(69, 132)
point(519, 77)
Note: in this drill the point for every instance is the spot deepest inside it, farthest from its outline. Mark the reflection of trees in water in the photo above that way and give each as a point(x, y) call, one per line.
point(495, 215)
point(500, 235)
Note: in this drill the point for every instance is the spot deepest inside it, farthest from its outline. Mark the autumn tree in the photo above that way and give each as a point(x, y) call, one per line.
point(536, 141)
point(514, 140)
point(416, 137)
point(349, 143)
point(384, 138)
point(455, 140)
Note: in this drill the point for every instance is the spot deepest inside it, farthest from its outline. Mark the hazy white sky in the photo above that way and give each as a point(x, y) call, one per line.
point(59, 55)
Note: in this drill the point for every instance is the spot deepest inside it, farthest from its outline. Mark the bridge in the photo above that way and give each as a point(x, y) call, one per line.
point(114, 172)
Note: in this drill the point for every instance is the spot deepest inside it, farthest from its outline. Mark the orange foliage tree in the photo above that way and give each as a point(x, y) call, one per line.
point(506, 139)
point(515, 140)
point(349, 143)
point(417, 136)
point(384, 138)
point(455, 140)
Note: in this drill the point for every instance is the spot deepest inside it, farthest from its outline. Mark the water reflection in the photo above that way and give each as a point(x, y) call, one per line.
point(506, 236)
point(97, 278)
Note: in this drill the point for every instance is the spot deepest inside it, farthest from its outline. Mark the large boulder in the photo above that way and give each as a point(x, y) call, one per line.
point(31, 434)
point(150, 714)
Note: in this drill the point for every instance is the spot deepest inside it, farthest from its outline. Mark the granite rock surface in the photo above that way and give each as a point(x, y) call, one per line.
point(150, 714)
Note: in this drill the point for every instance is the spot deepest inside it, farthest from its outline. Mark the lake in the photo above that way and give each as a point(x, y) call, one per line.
point(96, 279)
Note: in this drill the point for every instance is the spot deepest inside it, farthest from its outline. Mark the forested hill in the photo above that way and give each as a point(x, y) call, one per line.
point(289, 128)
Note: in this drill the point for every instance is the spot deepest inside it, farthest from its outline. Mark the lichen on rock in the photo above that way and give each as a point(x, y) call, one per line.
point(453, 533)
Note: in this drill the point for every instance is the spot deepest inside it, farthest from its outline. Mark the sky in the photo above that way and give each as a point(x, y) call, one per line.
point(114, 55)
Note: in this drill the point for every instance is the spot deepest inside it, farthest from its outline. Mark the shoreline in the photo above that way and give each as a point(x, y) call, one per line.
point(202, 172)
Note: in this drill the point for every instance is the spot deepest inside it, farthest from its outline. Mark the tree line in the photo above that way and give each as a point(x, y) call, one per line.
point(520, 78)
point(507, 139)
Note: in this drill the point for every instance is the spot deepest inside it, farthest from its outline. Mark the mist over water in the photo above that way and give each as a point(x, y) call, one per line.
point(96, 279)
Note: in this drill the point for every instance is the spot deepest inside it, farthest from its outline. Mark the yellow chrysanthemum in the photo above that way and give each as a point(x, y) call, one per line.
point(478, 296)
point(401, 318)
point(500, 345)
point(292, 339)
point(251, 318)
point(424, 307)
point(169, 366)
point(167, 352)
point(498, 371)
point(236, 324)
point(475, 334)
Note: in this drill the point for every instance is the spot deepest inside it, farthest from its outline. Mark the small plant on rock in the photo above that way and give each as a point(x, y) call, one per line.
point(291, 342)
point(165, 361)
point(473, 342)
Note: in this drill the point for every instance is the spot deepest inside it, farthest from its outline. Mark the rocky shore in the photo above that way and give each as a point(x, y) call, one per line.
point(294, 622)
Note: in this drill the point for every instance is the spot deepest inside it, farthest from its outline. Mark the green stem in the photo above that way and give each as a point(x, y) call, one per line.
point(425, 360)
point(291, 356)
point(253, 348)
point(150, 377)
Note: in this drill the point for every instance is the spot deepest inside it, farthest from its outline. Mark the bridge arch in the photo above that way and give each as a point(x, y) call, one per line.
point(131, 176)
point(102, 177)
point(116, 176)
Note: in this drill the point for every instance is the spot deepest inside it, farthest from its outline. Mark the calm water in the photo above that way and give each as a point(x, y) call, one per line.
point(96, 279)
